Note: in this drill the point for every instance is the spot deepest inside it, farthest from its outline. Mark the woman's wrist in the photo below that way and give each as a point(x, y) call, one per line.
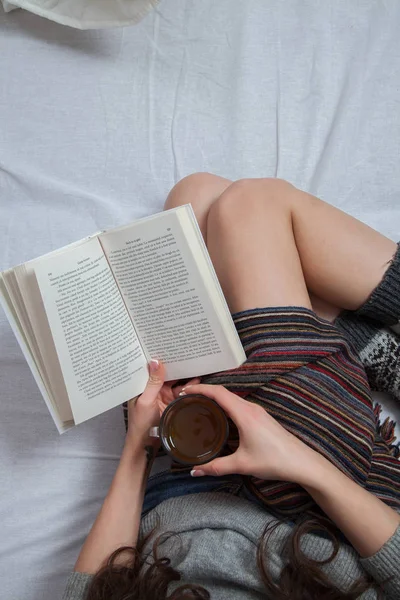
point(315, 471)
point(133, 452)
point(138, 454)
point(325, 478)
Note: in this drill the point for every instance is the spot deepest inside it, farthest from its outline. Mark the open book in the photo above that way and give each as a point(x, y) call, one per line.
point(89, 316)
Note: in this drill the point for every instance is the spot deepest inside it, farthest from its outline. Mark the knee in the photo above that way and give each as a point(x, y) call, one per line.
point(249, 197)
point(194, 188)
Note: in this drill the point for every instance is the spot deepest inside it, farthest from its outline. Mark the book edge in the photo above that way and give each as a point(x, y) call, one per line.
point(4, 301)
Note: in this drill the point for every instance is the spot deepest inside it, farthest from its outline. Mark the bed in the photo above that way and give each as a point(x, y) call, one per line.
point(97, 126)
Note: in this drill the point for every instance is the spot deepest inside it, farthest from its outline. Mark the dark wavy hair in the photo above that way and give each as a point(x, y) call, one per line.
point(133, 574)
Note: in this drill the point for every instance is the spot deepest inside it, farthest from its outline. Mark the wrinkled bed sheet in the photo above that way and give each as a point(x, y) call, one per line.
point(97, 126)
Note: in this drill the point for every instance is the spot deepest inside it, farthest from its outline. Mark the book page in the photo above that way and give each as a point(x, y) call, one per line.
point(100, 355)
point(171, 306)
point(33, 321)
point(60, 417)
point(28, 319)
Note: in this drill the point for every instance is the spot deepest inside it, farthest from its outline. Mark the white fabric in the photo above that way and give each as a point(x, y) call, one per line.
point(86, 14)
point(97, 126)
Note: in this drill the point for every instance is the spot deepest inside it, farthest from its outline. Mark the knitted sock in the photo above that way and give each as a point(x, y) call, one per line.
point(378, 348)
point(384, 303)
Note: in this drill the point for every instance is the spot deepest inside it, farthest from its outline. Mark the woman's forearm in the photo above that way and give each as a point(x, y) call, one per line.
point(118, 521)
point(364, 519)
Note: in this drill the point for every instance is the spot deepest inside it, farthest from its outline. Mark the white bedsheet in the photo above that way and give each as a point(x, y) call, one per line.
point(97, 126)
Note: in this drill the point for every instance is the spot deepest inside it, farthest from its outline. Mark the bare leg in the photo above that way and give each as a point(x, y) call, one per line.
point(252, 246)
point(200, 190)
point(325, 310)
point(270, 243)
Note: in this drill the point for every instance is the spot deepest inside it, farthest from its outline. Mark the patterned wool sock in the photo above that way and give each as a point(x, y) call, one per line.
point(384, 303)
point(378, 348)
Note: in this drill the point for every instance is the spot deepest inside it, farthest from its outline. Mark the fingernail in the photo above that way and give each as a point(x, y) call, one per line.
point(183, 390)
point(197, 473)
point(154, 365)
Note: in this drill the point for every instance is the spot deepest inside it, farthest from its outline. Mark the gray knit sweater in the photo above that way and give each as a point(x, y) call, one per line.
point(219, 536)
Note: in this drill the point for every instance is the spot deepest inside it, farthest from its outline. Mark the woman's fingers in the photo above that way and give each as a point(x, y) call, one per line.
point(155, 382)
point(231, 403)
point(178, 388)
point(224, 465)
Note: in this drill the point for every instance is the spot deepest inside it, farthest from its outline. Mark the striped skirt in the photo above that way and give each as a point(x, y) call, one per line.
point(307, 375)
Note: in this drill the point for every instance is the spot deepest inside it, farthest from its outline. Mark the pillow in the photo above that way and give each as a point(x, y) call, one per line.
point(87, 14)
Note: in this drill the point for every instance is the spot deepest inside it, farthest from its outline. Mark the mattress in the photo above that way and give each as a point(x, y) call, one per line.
point(97, 126)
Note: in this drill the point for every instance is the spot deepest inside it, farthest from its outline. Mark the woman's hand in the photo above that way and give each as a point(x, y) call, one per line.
point(145, 411)
point(266, 449)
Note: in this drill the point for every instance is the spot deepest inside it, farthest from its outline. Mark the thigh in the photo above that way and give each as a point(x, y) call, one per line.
point(325, 310)
point(343, 259)
point(200, 190)
point(251, 243)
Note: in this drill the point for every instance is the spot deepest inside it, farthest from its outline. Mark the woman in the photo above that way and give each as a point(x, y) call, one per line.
point(308, 445)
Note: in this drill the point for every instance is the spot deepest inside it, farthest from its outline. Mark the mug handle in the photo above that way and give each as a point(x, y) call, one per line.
point(154, 432)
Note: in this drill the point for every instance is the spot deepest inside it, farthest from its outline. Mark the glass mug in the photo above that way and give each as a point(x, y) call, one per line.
point(193, 429)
